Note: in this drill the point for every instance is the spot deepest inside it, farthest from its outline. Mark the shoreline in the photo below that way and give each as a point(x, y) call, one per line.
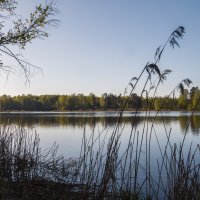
point(89, 111)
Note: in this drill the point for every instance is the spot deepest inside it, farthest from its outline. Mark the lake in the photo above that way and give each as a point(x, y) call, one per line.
point(66, 128)
point(142, 133)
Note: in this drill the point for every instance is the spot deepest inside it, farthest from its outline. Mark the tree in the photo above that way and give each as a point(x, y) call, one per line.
point(192, 92)
point(16, 32)
point(93, 101)
point(158, 103)
point(103, 102)
point(183, 100)
point(196, 100)
point(135, 102)
point(63, 102)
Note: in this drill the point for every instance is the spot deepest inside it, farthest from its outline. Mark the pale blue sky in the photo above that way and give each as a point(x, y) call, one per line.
point(100, 45)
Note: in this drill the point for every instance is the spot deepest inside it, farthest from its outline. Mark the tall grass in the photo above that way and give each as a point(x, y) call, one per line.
point(105, 170)
point(26, 172)
point(129, 175)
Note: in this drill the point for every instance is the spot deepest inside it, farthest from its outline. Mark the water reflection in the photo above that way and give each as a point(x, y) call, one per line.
point(195, 124)
point(102, 118)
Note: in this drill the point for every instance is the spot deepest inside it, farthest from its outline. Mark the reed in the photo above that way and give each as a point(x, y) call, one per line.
point(118, 176)
point(26, 172)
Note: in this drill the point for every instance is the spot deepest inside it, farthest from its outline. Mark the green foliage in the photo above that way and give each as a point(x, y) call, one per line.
point(18, 31)
point(134, 102)
point(195, 100)
point(183, 100)
point(158, 103)
point(93, 102)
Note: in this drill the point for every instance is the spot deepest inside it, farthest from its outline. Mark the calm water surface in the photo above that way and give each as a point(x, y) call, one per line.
point(66, 128)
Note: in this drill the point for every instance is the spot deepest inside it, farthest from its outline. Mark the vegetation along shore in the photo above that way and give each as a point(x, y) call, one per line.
point(77, 102)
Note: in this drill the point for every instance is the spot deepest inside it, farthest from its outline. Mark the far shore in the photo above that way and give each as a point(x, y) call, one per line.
point(84, 111)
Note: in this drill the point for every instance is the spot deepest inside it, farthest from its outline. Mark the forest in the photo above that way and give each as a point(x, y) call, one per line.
point(74, 102)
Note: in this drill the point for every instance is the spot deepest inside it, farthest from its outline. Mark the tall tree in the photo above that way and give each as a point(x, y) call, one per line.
point(196, 100)
point(183, 100)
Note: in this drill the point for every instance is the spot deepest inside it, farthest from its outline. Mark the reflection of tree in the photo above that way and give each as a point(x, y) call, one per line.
point(183, 121)
point(73, 121)
point(195, 124)
point(60, 120)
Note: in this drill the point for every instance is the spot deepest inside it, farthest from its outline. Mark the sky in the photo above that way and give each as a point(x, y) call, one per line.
point(99, 45)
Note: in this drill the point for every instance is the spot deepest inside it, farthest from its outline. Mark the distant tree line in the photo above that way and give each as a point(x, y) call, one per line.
point(187, 101)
